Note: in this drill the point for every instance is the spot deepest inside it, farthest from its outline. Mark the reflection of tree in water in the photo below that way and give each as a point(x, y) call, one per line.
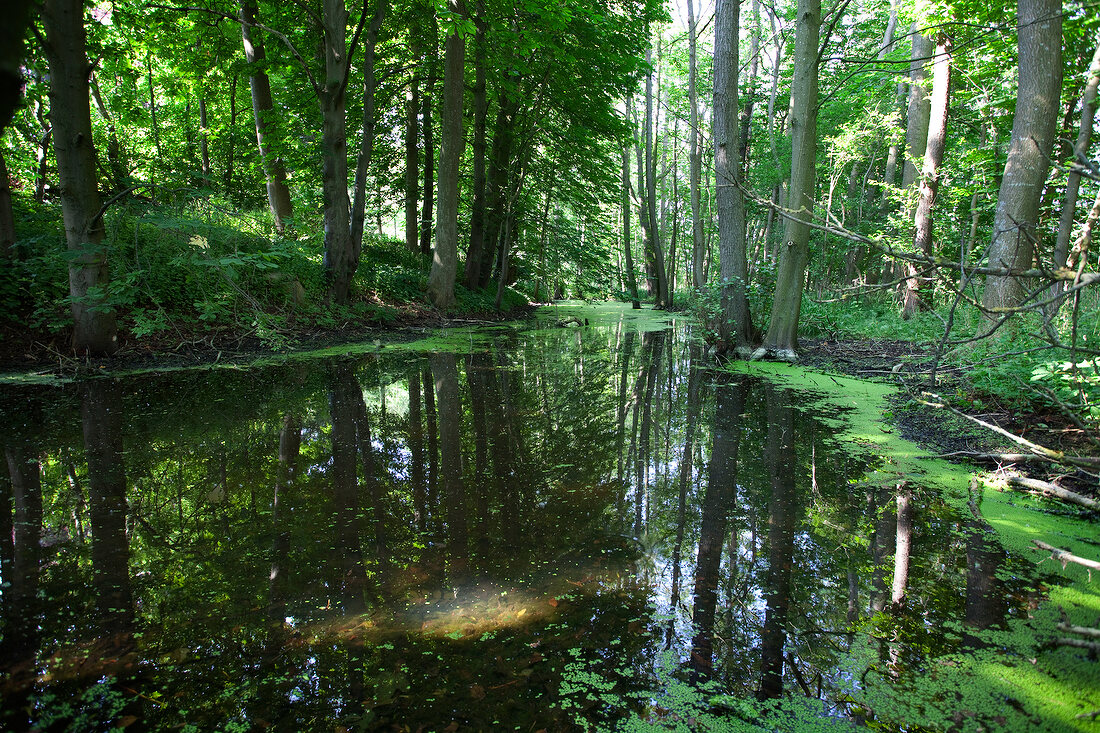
point(461, 559)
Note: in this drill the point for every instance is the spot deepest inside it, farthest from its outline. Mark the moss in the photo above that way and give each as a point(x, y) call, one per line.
point(1017, 682)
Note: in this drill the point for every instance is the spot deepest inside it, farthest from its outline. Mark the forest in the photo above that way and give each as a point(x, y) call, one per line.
point(213, 171)
point(549, 365)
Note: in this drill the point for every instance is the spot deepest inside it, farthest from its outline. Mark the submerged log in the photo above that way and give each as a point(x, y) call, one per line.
point(1080, 630)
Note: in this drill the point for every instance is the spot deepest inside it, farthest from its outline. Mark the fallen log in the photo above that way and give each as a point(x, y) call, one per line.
point(1091, 646)
point(1048, 489)
point(1080, 630)
point(1066, 557)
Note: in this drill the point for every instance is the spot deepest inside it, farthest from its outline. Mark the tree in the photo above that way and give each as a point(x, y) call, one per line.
point(695, 135)
point(1039, 25)
point(930, 173)
point(782, 337)
point(735, 326)
point(441, 280)
point(278, 193)
point(94, 331)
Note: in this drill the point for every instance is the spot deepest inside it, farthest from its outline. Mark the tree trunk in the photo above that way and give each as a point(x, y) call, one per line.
point(695, 137)
point(429, 171)
point(278, 193)
point(114, 147)
point(631, 279)
point(94, 321)
point(441, 280)
point(750, 94)
point(782, 337)
point(916, 295)
point(1073, 182)
point(651, 192)
point(338, 261)
point(1039, 25)
point(475, 251)
point(366, 145)
point(497, 194)
point(735, 326)
point(412, 164)
point(920, 107)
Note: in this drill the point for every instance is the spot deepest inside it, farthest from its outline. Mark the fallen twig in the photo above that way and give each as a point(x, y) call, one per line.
point(1048, 489)
point(1081, 630)
point(1066, 557)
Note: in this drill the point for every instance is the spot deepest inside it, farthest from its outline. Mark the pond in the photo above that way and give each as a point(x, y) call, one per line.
point(575, 524)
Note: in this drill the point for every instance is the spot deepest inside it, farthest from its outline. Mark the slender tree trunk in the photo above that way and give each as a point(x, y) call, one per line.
point(782, 337)
point(695, 137)
point(920, 107)
point(412, 163)
point(631, 280)
point(338, 260)
point(651, 191)
point(750, 94)
point(475, 251)
point(1073, 181)
point(366, 145)
point(916, 295)
point(114, 147)
point(735, 327)
point(230, 135)
point(94, 322)
point(441, 280)
point(497, 195)
point(1039, 25)
point(429, 172)
point(278, 193)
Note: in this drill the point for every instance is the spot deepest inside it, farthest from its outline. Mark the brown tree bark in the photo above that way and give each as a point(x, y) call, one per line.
point(735, 325)
point(654, 244)
point(366, 144)
point(441, 279)
point(338, 260)
point(1039, 25)
point(476, 248)
point(412, 164)
point(278, 193)
point(94, 330)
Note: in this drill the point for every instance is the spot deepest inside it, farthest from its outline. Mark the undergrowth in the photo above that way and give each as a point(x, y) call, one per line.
point(198, 268)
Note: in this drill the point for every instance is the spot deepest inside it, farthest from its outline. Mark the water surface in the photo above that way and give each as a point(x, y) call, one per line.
point(568, 528)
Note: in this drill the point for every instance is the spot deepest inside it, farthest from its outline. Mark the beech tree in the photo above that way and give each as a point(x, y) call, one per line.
point(94, 330)
point(781, 339)
point(1039, 28)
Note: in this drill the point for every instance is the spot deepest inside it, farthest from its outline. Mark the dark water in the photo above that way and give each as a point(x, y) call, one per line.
point(569, 529)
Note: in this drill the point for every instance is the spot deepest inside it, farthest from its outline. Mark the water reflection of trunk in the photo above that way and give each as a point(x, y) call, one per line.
point(653, 364)
point(694, 380)
point(780, 458)
point(902, 545)
point(639, 439)
point(345, 396)
point(21, 577)
point(476, 366)
point(433, 439)
point(416, 450)
point(626, 352)
point(721, 493)
point(504, 478)
point(102, 421)
point(290, 441)
point(445, 371)
point(985, 596)
point(884, 532)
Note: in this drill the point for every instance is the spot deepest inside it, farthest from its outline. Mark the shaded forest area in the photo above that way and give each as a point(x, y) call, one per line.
point(924, 172)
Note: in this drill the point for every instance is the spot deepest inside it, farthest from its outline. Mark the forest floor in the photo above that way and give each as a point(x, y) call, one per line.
point(946, 434)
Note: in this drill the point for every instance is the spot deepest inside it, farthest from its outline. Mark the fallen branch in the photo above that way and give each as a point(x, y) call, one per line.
point(1048, 489)
point(1092, 646)
point(1081, 630)
point(1053, 455)
point(1066, 557)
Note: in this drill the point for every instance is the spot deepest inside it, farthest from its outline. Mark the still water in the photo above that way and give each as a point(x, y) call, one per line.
point(549, 528)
